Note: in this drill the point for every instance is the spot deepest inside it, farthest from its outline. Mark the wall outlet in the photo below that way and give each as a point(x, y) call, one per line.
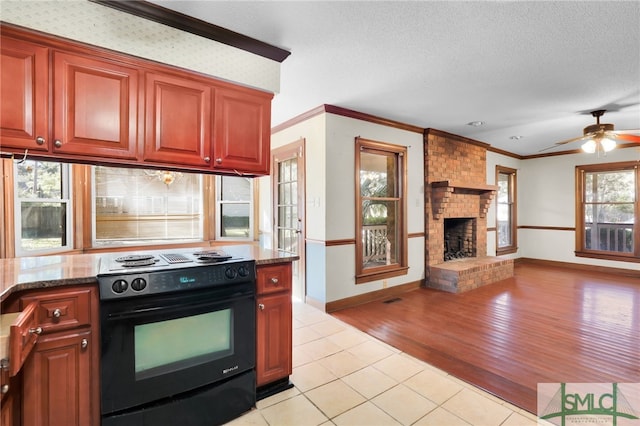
point(384, 283)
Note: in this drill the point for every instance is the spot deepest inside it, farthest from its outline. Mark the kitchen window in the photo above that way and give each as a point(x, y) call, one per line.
point(606, 208)
point(139, 206)
point(118, 207)
point(381, 243)
point(234, 207)
point(42, 207)
point(506, 217)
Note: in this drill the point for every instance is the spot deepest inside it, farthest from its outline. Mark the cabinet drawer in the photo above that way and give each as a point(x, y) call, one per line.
point(273, 278)
point(61, 310)
point(19, 336)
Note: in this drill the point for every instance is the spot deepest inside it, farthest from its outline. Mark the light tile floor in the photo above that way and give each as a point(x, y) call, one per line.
point(343, 376)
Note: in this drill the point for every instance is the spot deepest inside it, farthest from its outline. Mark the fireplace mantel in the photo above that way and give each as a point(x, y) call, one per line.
point(441, 192)
point(466, 186)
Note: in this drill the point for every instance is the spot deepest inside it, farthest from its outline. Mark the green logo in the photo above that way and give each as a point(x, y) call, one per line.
point(589, 403)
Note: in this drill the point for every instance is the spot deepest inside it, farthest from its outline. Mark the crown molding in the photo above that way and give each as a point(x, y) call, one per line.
point(196, 26)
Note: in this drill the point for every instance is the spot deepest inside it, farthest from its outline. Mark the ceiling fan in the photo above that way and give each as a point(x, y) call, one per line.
point(601, 137)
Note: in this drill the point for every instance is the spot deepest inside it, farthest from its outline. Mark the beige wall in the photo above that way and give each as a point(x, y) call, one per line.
point(330, 208)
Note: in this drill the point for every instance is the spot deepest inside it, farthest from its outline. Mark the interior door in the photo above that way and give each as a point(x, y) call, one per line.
point(288, 208)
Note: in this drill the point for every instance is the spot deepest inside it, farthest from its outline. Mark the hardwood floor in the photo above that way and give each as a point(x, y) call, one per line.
point(544, 325)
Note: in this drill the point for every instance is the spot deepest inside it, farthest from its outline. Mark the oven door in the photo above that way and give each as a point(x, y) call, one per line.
point(158, 347)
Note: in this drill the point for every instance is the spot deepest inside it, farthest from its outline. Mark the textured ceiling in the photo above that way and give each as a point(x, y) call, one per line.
point(530, 69)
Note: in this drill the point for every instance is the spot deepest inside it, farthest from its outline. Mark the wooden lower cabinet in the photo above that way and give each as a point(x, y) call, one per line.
point(56, 381)
point(6, 410)
point(274, 326)
point(274, 348)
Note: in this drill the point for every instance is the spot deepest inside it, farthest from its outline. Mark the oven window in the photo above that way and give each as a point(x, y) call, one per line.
point(166, 346)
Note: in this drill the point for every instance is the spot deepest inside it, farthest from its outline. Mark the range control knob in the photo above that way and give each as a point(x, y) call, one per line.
point(230, 273)
point(119, 286)
point(138, 284)
point(243, 271)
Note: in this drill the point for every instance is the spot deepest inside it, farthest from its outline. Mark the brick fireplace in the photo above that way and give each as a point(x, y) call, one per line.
point(457, 197)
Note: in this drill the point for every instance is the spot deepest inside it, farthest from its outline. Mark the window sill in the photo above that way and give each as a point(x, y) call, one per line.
point(506, 250)
point(608, 256)
point(380, 275)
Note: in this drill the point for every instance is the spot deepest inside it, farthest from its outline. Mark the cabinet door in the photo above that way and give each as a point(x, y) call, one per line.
point(95, 107)
point(56, 390)
point(178, 121)
point(273, 346)
point(243, 132)
point(7, 410)
point(24, 111)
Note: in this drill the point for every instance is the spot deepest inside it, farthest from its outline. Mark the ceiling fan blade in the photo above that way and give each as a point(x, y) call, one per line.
point(627, 132)
point(565, 142)
point(627, 137)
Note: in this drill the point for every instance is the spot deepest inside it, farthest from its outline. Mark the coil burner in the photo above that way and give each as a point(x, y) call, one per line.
point(136, 260)
point(211, 256)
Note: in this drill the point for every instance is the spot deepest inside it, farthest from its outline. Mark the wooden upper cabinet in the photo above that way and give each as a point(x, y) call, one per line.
point(95, 104)
point(68, 101)
point(243, 132)
point(177, 120)
point(24, 100)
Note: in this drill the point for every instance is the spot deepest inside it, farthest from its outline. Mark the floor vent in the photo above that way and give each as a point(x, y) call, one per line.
point(395, 299)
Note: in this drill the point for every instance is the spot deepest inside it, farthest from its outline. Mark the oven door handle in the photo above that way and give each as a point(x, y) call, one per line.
point(168, 309)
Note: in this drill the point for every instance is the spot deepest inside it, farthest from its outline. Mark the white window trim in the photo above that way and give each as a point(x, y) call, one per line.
point(65, 198)
point(220, 203)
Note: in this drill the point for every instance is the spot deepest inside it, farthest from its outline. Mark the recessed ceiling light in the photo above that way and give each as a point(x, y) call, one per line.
point(516, 138)
point(475, 123)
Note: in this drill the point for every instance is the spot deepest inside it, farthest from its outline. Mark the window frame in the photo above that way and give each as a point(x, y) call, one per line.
point(513, 210)
point(118, 243)
point(66, 198)
point(580, 201)
point(401, 266)
point(220, 203)
point(80, 215)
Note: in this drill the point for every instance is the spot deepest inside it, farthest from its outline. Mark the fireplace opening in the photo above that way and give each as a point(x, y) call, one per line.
point(459, 238)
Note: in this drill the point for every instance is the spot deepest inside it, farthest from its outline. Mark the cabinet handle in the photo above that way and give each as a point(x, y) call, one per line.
point(37, 330)
point(57, 313)
point(274, 280)
point(40, 140)
point(84, 343)
point(5, 388)
point(219, 160)
point(261, 306)
point(57, 143)
point(207, 159)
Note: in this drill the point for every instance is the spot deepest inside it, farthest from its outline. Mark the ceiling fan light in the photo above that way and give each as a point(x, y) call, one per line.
point(607, 144)
point(589, 146)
